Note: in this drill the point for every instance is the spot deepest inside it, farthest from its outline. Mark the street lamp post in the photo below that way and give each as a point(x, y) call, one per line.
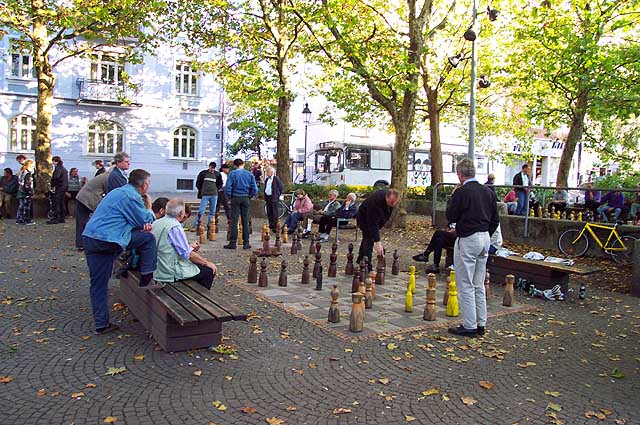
point(472, 95)
point(306, 114)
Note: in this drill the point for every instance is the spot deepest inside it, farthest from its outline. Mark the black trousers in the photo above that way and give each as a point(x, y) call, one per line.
point(205, 277)
point(272, 211)
point(58, 205)
point(223, 201)
point(82, 218)
point(239, 209)
point(440, 240)
point(326, 224)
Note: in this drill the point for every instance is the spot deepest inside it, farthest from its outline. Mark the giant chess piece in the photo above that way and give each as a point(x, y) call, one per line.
point(368, 299)
point(253, 269)
point(355, 282)
point(348, 270)
point(319, 278)
point(380, 270)
point(487, 286)
point(395, 267)
point(211, 232)
point(285, 232)
point(278, 242)
point(408, 303)
point(305, 270)
point(363, 269)
point(299, 239)
point(265, 230)
point(215, 217)
point(294, 245)
point(266, 249)
point(203, 235)
point(507, 299)
point(200, 227)
point(372, 276)
point(264, 280)
point(282, 280)
point(333, 259)
point(453, 308)
point(318, 265)
point(312, 244)
point(356, 320)
point(430, 308)
point(412, 279)
point(445, 295)
point(334, 313)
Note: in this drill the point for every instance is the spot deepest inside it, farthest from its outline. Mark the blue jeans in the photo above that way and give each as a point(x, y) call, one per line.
point(100, 257)
point(522, 203)
point(292, 221)
point(604, 209)
point(212, 200)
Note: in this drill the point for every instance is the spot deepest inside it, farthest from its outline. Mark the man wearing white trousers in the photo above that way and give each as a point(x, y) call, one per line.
point(474, 209)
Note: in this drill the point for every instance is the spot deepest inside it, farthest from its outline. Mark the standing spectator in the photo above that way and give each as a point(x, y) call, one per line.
point(25, 192)
point(273, 189)
point(59, 186)
point(75, 184)
point(612, 202)
point(87, 201)
point(511, 199)
point(240, 187)
point(177, 259)
point(522, 179)
point(118, 175)
point(347, 210)
point(474, 209)
point(120, 222)
point(222, 198)
point(20, 159)
point(559, 201)
point(209, 182)
point(9, 186)
point(491, 179)
point(99, 167)
point(301, 207)
point(257, 173)
point(371, 217)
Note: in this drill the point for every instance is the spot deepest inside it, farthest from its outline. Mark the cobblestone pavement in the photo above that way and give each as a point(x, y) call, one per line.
point(561, 362)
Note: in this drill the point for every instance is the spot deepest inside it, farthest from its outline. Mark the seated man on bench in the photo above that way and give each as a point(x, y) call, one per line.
point(177, 259)
point(347, 210)
point(440, 240)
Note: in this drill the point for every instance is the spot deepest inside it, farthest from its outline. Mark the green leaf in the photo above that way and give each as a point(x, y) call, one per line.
point(115, 371)
point(616, 373)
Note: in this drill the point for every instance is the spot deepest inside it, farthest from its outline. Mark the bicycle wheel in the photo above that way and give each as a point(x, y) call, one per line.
point(282, 209)
point(571, 245)
point(623, 256)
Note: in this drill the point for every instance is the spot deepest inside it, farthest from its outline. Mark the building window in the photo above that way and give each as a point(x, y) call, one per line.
point(22, 133)
point(184, 184)
point(358, 158)
point(186, 79)
point(107, 69)
point(184, 143)
point(105, 137)
point(21, 61)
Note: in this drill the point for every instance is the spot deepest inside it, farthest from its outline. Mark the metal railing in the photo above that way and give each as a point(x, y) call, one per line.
point(104, 91)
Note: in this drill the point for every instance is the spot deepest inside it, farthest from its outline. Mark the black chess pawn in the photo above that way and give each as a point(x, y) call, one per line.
point(264, 280)
point(318, 246)
point(333, 261)
point(348, 270)
point(312, 244)
point(395, 268)
point(305, 271)
point(278, 244)
point(294, 244)
point(282, 280)
point(319, 279)
point(318, 265)
point(380, 270)
point(355, 282)
point(253, 269)
point(299, 240)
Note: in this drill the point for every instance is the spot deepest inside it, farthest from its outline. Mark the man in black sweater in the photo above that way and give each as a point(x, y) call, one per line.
point(474, 209)
point(371, 217)
point(59, 186)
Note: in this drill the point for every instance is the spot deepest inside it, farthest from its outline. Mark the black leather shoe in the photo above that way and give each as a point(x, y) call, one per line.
point(480, 330)
point(230, 246)
point(421, 257)
point(109, 328)
point(462, 331)
point(52, 222)
point(433, 269)
point(245, 247)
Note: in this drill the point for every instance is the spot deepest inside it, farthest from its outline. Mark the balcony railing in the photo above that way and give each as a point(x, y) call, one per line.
point(106, 92)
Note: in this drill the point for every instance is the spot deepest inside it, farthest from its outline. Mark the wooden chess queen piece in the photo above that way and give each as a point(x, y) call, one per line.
point(355, 282)
point(507, 299)
point(285, 232)
point(319, 278)
point(408, 303)
point(282, 280)
point(453, 308)
point(430, 308)
point(368, 299)
point(395, 267)
point(253, 269)
point(363, 269)
point(278, 244)
point(305, 270)
point(333, 259)
point(356, 320)
point(348, 270)
point(264, 280)
point(334, 313)
point(318, 265)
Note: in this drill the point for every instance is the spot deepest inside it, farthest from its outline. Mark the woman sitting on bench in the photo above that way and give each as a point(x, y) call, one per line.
point(177, 259)
point(347, 210)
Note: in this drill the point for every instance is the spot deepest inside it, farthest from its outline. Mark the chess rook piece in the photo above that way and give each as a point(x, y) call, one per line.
point(507, 299)
point(334, 313)
point(487, 286)
point(264, 280)
point(253, 269)
point(356, 319)
point(372, 277)
point(333, 258)
point(211, 233)
point(319, 278)
point(395, 267)
point(282, 280)
point(380, 269)
point(285, 233)
point(368, 299)
point(266, 250)
point(412, 279)
point(294, 245)
point(453, 309)
point(318, 265)
point(348, 270)
point(305, 271)
point(430, 308)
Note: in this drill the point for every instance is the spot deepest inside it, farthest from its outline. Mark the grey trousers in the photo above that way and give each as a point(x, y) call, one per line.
point(470, 261)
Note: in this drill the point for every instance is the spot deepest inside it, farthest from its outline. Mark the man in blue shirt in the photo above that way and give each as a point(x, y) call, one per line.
point(118, 177)
point(240, 187)
point(121, 221)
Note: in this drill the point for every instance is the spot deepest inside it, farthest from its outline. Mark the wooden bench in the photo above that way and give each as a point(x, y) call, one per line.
point(542, 274)
point(181, 316)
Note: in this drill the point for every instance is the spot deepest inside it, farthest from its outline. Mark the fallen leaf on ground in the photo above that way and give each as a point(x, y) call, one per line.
point(384, 381)
point(591, 414)
point(526, 365)
point(409, 418)
point(616, 373)
point(554, 406)
point(431, 391)
point(138, 357)
point(249, 410)
point(90, 385)
point(552, 393)
point(274, 421)
point(41, 392)
point(348, 350)
point(341, 410)
point(110, 420)
point(115, 370)
point(197, 372)
point(391, 346)
point(487, 384)
point(468, 400)
point(228, 378)
point(291, 408)
point(218, 405)
point(77, 395)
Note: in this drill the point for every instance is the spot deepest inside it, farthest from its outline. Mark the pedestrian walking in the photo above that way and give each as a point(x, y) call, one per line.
point(372, 215)
point(273, 189)
point(474, 209)
point(208, 183)
point(241, 186)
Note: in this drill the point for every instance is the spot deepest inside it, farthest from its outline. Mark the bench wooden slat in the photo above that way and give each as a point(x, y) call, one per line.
point(200, 314)
point(176, 310)
point(235, 313)
point(581, 270)
point(202, 300)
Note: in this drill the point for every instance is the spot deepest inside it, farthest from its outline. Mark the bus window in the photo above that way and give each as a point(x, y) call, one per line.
point(380, 160)
point(358, 158)
point(329, 161)
point(419, 161)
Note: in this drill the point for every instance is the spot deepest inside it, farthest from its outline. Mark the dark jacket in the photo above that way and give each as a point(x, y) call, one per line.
point(100, 171)
point(277, 188)
point(347, 213)
point(10, 185)
point(474, 209)
point(200, 181)
point(116, 179)
point(373, 214)
point(517, 181)
point(60, 179)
